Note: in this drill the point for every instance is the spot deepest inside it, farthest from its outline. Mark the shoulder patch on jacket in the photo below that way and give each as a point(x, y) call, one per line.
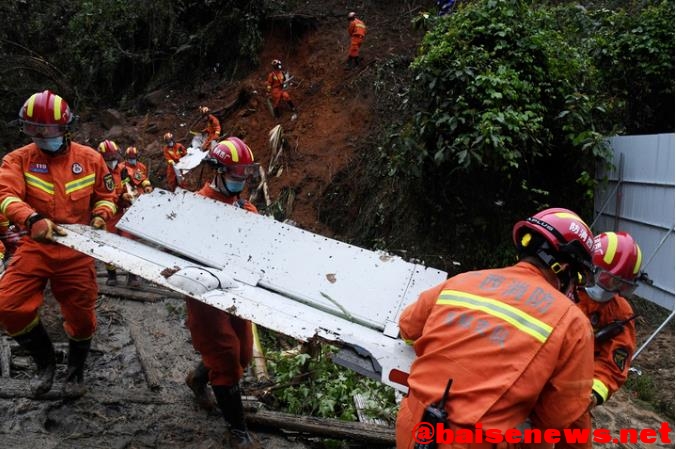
point(620, 356)
point(108, 180)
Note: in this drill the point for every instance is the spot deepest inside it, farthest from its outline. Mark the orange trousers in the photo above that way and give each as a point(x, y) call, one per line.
point(73, 281)
point(172, 182)
point(224, 341)
point(279, 95)
point(355, 45)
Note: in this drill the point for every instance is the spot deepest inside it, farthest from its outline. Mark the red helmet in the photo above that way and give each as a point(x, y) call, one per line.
point(557, 236)
point(234, 157)
point(45, 115)
point(109, 150)
point(617, 262)
point(131, 153)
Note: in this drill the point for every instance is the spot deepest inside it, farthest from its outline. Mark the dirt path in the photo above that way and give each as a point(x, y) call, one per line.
point(121, 410)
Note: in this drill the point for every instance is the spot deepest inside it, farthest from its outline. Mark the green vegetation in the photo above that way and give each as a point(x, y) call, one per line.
point(112, 51)
point(507, 112)
point(313, 385)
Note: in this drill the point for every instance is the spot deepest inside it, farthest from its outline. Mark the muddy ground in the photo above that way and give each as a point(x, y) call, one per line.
point(127, 408)
point(137, 397)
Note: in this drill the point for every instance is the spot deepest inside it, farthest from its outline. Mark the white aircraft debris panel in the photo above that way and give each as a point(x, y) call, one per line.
point(362, 286)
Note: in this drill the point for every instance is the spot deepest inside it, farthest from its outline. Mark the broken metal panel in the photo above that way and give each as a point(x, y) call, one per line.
point(363, 286)
point(264, 307)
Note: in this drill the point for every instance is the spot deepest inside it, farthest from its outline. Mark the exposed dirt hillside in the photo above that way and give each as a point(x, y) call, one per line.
point(335, 119)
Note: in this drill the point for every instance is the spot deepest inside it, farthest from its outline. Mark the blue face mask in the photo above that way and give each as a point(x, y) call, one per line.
point(131, 161)
point(51, 144)
point(234, 186)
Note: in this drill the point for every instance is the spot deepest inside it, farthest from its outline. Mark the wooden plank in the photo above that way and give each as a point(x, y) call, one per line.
point(5, 356)
point(325, 427)
point(145, 352)
point(130, 293)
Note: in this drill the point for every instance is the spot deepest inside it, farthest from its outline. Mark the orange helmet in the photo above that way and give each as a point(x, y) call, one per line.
point(204, 110)
point(560, 239)
point(109, 150)
point(45, 115)
point(168, 137)
point(617, 265)
point(131, 153)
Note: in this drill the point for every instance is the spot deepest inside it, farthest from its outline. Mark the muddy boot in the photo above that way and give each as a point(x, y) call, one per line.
point(40, 347)
point(77, 355)
point(277, 113)
point(197, 380)
point(229, 399)
point(112, 277)
point(133, 281)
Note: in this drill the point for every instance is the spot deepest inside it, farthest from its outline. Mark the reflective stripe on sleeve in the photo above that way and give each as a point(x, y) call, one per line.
point(517, 318)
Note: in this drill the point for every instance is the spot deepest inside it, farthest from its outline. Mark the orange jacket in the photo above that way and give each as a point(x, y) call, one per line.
point(138, 174)
point(175, 153)
point(611, 358)
point(276, 80)
point(68, 187)
point(120, 179)
point(356, 28)
point(514, 346)
point(214, 194)
point(213, 128)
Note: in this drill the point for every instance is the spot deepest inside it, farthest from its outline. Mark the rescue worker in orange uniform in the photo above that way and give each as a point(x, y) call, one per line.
point(173, 152)
point(124, 195)
point(50, 181)
point(138, 173)
point(516, 347)
point(276, 87)
point(356, 29)
point(617, 268)
point(212, 130)
point(225, 342)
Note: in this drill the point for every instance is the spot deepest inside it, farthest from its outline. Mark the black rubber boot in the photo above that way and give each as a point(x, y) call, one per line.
point(133, 281)
point(277, 113)
point(229, 399)
point(197, 380)
point(112, 277)
point(39, 345)
point(292, 106)
point(77, 355)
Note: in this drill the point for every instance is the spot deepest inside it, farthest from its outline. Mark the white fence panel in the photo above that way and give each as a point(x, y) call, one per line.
point(639, 199)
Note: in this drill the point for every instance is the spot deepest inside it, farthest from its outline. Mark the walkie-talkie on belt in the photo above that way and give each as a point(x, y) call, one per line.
point(435, 414)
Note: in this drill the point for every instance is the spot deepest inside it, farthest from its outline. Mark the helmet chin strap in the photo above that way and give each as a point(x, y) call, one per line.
point(563, 275)
point(222, 187)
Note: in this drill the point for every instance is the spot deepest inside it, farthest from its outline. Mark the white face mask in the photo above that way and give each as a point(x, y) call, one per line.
point(111, 164)
point(598, 294)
